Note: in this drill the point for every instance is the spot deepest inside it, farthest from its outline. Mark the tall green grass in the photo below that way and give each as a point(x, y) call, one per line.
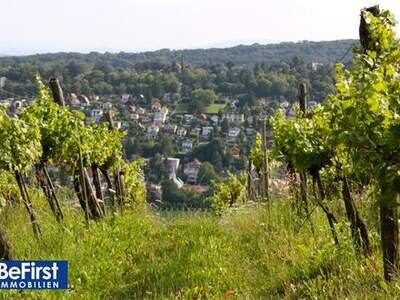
point(250, 253)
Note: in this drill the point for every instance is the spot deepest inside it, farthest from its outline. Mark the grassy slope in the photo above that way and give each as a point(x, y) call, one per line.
point(214, 108)
point(251, 253)
point(183, 108)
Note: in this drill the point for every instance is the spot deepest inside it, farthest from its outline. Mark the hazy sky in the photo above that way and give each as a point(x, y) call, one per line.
point(131, 25)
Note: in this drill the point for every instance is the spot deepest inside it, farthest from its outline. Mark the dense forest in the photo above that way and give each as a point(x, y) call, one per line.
point(324, 52)
point(255, 71)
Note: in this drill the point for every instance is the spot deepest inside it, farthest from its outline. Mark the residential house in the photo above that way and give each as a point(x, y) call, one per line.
point(250, 131)
point(153, 130)
point(154, 190)
point(117, 125)
point(203, 117)
point(145, 119)
point(83, 101)
point(233, 134)
point(133, 116)
point(233, 116)
point(214, 119)
point(107, 105)
point(188, 118)
point(96, 114)
point(160, 117)
point(191, 170)
point(73, 100)
point(181, 132)
point(94, 98)
point(156, 106)
point(234, 151)
point(170, 129)
point(125, 98)
point(187, 146)
point(206, 131)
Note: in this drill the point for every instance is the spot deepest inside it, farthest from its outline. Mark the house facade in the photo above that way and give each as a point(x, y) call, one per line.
point(191, 170)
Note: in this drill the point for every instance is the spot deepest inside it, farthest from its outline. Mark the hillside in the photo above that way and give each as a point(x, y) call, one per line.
point(247, 254)
point(324, 52)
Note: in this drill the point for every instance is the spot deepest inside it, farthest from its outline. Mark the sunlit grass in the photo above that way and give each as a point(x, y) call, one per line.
point(252, 252)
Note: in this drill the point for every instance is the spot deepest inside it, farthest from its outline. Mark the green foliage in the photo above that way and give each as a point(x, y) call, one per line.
point(365, 107)
point(256, 152)
point(181, 199)
point(304, 141)
point(20, 146)
point(63, 134)
point(207, 174)
point(134, 184)
point(202, 98)
point(59, 128)
point(257, 71)
point(227, 193)
point(8, 187)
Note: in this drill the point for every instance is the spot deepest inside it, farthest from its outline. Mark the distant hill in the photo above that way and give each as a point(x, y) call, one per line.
point(324, 52)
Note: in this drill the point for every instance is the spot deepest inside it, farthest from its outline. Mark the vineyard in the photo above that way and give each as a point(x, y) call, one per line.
point(315, 215)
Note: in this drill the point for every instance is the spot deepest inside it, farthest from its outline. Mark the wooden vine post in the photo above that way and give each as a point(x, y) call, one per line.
point(57, 91)
point(250, 180)
point(118, 175)
point(28, 203)
point(265, 166)
point(358, 227)
point(97, 185)
point(316, 178)
point(83, 191)
point(303, 175)
point(387, 206)
point(87, 195)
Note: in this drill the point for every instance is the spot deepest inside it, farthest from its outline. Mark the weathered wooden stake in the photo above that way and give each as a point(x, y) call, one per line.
point(57, 91)
point(83, 190)
point(97, 186)
point(303, 175)
point(118, 175)
point(329, 215)
point(265, 170)
point(56, 203)
point(28, 204)
point(358, 227)
point(94, 205)
point(249, 181)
